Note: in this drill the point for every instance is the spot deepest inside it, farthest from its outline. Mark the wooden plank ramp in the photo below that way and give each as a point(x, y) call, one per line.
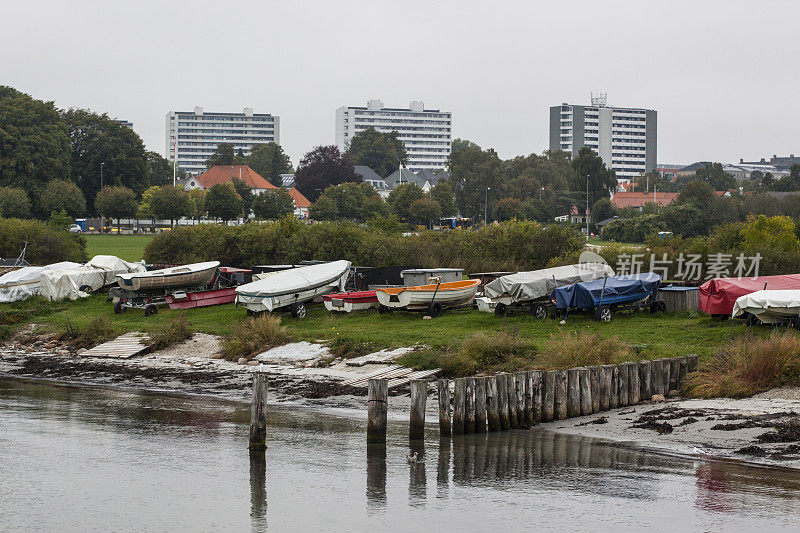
point(123, 347)
point(396, 374)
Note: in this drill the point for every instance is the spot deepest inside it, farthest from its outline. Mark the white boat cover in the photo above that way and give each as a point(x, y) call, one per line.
point(770, 306)
point(297, 280)
point(526, 286)
point(63, 280)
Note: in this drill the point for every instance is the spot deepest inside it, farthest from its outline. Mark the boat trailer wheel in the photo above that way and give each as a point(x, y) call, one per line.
point(538, 310)
point(150, 310)
point(500, 310)
point(436, 309)
point(298, 310)
point(603, 314)
point(382, 309)
point(119, 308)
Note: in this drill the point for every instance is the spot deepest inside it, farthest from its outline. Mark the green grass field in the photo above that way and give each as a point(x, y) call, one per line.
point(127, 247)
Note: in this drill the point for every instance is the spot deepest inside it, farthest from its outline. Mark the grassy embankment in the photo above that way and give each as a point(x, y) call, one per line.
point(127, 247)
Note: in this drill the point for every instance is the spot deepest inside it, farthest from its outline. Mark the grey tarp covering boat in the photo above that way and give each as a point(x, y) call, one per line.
point(528, 286)
point(769, 306)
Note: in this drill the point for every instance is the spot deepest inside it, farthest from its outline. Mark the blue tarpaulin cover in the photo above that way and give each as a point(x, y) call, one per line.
point(618, 289)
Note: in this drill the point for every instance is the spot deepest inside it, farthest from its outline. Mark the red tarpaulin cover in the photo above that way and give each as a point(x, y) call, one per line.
point(718, 295)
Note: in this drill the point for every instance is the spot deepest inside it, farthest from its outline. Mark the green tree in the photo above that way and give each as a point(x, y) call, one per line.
point(715, 176)
point(14, 203)
point(170, 203)
point(699, 193)
point(145, 205)
point(60, 194)
point(116, 202)
point(382, 152)
point(459, 144)
point(59, 220)
point(223, 155)
point(223, 202)
point(273, 204)
point(353, 201)
point(322, 167)
point(602, 181)
point(442, 192)
point(509, 209)
point(270, 162)
point(198, 197)
point(245, 192)
point(34, 146)
point(401, 198)
point(472, 172)
point(602, 209)
point(97, 140)
point(790, 182)
point(159, 170)
point(425, 211)
point(325, 208)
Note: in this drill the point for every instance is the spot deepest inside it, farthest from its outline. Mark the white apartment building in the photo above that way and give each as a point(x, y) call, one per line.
point(196, 134)
point(426, 133)
point(624, 137)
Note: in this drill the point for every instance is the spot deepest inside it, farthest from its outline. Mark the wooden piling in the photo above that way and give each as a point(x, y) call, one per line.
point(682, 361)
point(459, 406)
point(594, 385)
point(502, 401)
point(674, 373)
point(511, 382)
point(445, 429)
point(667, 367)
point(645, 384)
point(480, 405)
point(573, 393)
point(585, 385)
point(692, 363)
point(634, 390)
point(614, 398)
point(258, 412)
point(623, 384)
point(469, 422)
point(377, 409)
point(416, 422)
point(604, 375)
point(536, 386)
point(523, 401)
point(561, 395)
point(549, 396)
point(492, 404)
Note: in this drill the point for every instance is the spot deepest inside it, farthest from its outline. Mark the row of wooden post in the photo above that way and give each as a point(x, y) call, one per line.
point(523, 399)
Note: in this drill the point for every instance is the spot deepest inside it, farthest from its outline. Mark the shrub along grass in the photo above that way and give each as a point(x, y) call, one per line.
point(176, 329)
point(127, 247)
point(253, 336)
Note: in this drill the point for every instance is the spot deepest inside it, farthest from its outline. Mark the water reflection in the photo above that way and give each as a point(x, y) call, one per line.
point(376, 476)
point(258, 490)
point(417, 486)
point(443, 468)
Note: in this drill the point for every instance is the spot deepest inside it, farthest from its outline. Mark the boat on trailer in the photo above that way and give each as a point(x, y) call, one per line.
point(347, 302)
point(769, 307)
point(292, 288)
point(433, 297)
point(196, 274)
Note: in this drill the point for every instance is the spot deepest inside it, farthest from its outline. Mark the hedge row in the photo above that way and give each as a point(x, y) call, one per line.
point(45, 243)
point(508, 246)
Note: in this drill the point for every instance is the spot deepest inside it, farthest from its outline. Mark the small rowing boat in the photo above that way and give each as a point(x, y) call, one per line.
point(434, 296)
point(347, 302)
point(196, 274)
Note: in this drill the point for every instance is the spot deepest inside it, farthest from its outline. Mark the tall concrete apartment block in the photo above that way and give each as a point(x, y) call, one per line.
point(625, 137)
point(426, 133)
point(197, 133)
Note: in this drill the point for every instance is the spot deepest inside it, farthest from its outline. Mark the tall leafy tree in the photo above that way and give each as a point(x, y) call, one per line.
point(198, 197)
point(116, 202)
point(401, 198)
point(270, 161)
point(223, 155)
point(472, 172)
point(382, 152)
point(170, 203)
point(97, 139)
point(273, 204)
point(14, 203)
point(245, 192)
point(34, 146)
point(62, 195)
point(509, 209)
point(351, 201)
point(159, 170)
point(322, 167)
point(223, 202)
point(714, 175)
point(442, 192)
point(601, 180)
point(425, 211)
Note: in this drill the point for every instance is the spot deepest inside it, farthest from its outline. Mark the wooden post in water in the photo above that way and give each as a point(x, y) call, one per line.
point(527, 403)
point(419, 396)
point(377, 409)
point(645, 383)
point(459, 407)
point(614, 399)
point(502, 401)
point(549, 396)
point(573, 393)
point(511, 383)
point(623, 384)
point(674, 373)
point(585, 385)
point(604, 375)
point(469, 422)
point(258, 412)
point(445, 428)
point(523, 401)
point(657, 376)
point(561, 395)
point(634, 393)
point(480, 405)
point(492, 404)
point(536, 389)
point(594, 385)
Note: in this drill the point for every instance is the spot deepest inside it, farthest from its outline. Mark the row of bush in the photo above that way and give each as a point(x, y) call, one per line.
point(506, 246)
point(46, 244)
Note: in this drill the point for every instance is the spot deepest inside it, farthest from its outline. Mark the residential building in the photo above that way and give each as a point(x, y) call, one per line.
point(370, 176)
point(425, 133)
point(637, 200)
point(781, 163)
point(624, 137)
point(196, 134)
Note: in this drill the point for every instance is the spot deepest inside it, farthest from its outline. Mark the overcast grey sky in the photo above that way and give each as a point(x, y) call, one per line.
point(723, 76)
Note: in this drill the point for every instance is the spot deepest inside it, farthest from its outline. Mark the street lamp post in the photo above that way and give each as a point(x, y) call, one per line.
point(540, 193)
point(101, 174)
point(486, 207)
point(587, 207)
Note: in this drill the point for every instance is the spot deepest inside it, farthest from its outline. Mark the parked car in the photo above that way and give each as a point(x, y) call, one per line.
point(74, 228)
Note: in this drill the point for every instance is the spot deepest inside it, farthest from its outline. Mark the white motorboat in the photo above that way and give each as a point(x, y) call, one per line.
point(434, 296)
point(196, 274)
point(292, 288)
point(769, 306)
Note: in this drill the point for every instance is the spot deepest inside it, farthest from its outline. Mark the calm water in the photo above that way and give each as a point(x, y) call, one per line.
point(92, 459)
